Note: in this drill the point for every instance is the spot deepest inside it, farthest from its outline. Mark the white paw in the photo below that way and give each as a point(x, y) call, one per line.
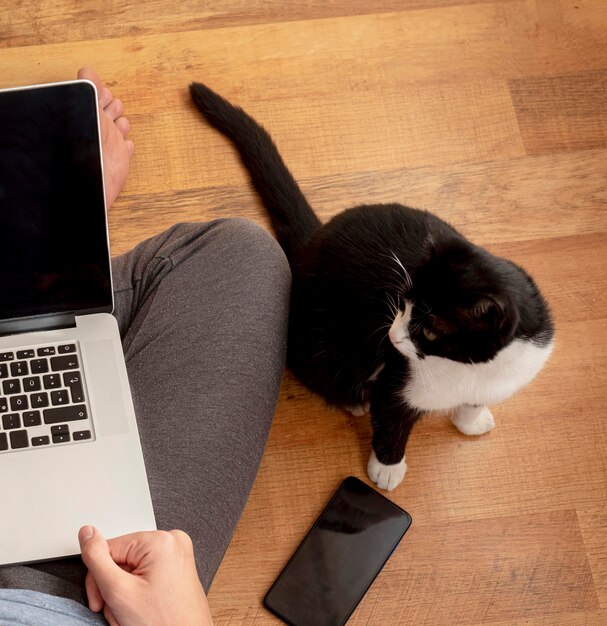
point(473, 420)
point(358, 411)
point(386, 476)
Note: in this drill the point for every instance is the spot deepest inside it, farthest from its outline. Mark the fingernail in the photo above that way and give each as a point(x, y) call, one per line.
point(86, 532)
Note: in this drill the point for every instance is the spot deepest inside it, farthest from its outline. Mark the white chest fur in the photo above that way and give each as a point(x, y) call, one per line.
point(438, 384)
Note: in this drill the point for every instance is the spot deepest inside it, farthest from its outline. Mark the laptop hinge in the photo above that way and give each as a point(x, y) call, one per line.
point(35, 324)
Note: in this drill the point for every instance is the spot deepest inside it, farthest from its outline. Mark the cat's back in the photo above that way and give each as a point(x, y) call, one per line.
point(360, 243)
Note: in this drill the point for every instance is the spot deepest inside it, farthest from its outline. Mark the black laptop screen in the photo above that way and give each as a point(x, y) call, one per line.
point(54, 255)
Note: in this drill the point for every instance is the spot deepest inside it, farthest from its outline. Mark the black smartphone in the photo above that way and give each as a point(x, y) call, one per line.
point(339, 558)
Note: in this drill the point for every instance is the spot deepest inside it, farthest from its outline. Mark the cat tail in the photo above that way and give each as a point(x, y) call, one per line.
point(292, 217)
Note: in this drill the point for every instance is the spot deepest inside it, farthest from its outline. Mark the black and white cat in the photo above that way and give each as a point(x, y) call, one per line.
point(393, 310)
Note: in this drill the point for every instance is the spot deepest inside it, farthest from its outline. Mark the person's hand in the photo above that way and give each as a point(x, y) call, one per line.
point(144, 578)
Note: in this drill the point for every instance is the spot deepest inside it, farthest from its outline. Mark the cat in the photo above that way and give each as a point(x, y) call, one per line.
point(393, 311)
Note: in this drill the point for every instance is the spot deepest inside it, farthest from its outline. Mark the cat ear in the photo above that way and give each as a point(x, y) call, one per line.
point(487, 312)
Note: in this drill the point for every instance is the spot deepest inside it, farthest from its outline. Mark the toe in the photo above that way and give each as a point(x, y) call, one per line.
point(86, 73)
point(386, 476)
point(104, 94)
point(114, 109)
point(123, 125)
point(105, 97)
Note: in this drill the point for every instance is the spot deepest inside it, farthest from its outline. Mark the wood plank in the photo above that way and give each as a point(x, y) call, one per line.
point(518, 199)
point(593, 523)
point(461, 573)
point(373, 132)
point(380, 52)
point(561, 113)
point(572, 272)
point(591, 618)
point(163, 17)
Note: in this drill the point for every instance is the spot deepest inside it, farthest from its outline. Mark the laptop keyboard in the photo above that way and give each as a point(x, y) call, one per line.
point(43, 398)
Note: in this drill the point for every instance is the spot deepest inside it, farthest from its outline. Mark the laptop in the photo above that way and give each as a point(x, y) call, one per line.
point(70, 453)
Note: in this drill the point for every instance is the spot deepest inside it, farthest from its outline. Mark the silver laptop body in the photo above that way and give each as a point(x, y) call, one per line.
point(70, 453)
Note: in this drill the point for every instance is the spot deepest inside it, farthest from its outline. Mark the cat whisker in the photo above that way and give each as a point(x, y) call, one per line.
point(424, 308)
point(383, 327)
point(392, 304)
point(408, 281)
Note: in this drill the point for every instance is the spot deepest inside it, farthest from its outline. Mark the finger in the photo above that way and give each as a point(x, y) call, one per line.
point(132, 548)
point(96, 556)
point(130, 146)
point(109, 616)
point(93, 594)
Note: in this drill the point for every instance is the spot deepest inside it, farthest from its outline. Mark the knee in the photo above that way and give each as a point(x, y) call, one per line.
point(255, 249)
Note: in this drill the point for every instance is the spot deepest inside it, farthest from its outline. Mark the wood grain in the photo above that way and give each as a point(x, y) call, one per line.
point(492, 113)
point(561, 113)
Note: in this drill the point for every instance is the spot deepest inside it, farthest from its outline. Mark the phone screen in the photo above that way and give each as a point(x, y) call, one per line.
point(339, 558)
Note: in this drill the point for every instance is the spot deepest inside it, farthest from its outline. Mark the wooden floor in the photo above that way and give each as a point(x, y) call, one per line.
point(491, 113)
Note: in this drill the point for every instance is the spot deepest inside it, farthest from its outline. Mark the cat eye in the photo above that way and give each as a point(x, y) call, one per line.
point(429, 334)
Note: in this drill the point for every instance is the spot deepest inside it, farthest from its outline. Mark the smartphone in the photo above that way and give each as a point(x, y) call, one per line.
point(339, 558)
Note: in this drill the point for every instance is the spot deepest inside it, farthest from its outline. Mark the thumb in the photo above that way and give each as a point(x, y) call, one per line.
point(96, 556)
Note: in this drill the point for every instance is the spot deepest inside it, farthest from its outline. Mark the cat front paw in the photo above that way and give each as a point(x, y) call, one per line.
point(473, 420)
point(386, 476)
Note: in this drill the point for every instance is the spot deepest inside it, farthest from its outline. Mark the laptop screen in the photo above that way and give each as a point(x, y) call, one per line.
point(54, 255)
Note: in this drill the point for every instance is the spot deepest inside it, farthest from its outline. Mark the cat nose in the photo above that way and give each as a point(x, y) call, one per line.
point(395, 333)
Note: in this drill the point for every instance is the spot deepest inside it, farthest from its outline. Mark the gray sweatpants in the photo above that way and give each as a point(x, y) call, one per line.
point(202, 311)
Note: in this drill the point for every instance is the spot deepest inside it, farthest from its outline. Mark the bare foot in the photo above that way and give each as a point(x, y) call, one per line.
point(117, 149)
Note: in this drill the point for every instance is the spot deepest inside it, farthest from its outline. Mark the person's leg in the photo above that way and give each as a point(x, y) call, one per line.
point(202, 310)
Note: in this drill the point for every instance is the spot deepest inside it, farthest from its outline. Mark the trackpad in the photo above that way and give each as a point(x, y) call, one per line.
point(105, 388)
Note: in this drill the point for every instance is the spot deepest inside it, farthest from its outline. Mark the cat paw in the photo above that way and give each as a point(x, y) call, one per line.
point(386, 476)
point(473, 420)
point(358, 411)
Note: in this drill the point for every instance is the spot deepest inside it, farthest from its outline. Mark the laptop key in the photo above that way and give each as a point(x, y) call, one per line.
point(25, 354)
point(73, 381)
point(19, 368)
point(47, 351)
point(3, 442)
point(11, 386)
point(51, 381)
point(59, 397)
point(10, 421)
point(18, 439)
point(61, 429)
point(39, 400)
point(32, 418)
point(71, 347)
point(61, 438)
point(3, 405)
point(19, 403)
point(39, 366)
point(69, 362)
point(60, 414)
point(32, 384)
point(80, 435)
point(3, 370)
point(41, 441)
point(7, 356)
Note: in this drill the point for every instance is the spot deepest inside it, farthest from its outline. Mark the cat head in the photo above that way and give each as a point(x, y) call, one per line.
point(458, 306)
